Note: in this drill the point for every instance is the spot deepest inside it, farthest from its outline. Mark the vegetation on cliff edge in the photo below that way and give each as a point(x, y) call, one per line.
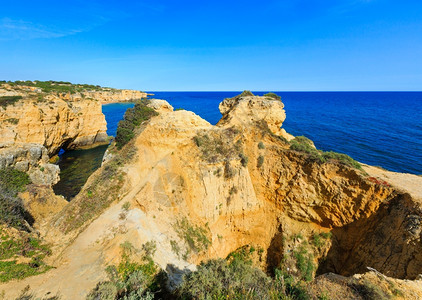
point(132, 119)
point(9, 100)
point(132, 279)
point(56, 86)
point(303, 144)
point(25, 247)
point(12, 210)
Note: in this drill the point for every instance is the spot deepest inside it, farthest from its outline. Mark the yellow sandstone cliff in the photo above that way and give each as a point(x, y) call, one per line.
point(54, 123)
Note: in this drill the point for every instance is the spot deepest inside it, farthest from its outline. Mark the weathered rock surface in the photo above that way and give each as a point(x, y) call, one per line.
point(32, 159)
point(106, 96)
point(42, 203)
point(247, 111)
point(54, 124)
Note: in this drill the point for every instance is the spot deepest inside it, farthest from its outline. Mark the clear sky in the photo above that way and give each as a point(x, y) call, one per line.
point(290, 45)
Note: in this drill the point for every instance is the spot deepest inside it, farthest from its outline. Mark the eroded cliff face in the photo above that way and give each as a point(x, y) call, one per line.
point(32, 159)
point(201, 191)
point(105, 96)
point(54, 123)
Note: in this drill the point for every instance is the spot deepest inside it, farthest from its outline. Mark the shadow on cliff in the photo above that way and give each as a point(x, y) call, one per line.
point(389, 241)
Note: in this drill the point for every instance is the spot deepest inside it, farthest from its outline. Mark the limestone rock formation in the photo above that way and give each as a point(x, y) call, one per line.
point(54, 123)
point(248, 110)
point(30, 158)
point(105, 96)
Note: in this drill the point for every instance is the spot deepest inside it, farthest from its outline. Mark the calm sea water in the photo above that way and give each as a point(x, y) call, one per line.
point(114, 113)
point(377, 128)
point(76, 166)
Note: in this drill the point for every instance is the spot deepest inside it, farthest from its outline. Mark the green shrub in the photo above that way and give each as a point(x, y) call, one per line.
point(260, 161)
point(288, 287)
point(243, 160)
point(303, 144)
point(13, 121)
point(130, 280)
point(229, 171)
point(246, 93)
point(12, 210)
point(126, 206)
point(40, 98)
point(57, 86)
point(195, 237)
point(218, 279)
point(217, 145)
point(9, 100)
point(304, 263)
point(273, 96)
point(317, 240)
point(327, 235)
point(233, 190)
point(132, 119)
point(343, 158)
point(368, 290)
point(11, 270)
point(13, 180)
point(175, 248)
point(261, 145)
point(25, 245)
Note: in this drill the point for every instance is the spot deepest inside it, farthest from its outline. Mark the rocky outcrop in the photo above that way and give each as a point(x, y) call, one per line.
point(32, 159)
point(53, 123)
point(248, 110)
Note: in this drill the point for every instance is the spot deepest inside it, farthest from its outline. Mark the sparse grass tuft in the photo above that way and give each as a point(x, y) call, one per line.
point(260, 161)
point(104, 189)
point(218, 145)
point(243, 160)
point(303, 144)
point(195, 237)
point(229, 171)
point(246, 93)
point(27, 246)
point(273, 96)
point(130, 279)
point(13, 121)
point(12, 209)
point(9, 100)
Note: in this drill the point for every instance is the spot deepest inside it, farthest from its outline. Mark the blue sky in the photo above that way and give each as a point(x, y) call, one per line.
point(295, 45)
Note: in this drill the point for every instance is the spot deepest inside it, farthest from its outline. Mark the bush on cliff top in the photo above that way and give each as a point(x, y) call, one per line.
point(303, 144)
point(273, 96)
point(9, 100)
point(132, 119)
point(56, 86)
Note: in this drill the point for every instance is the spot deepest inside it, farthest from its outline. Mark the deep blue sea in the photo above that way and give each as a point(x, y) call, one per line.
point(378, 128)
